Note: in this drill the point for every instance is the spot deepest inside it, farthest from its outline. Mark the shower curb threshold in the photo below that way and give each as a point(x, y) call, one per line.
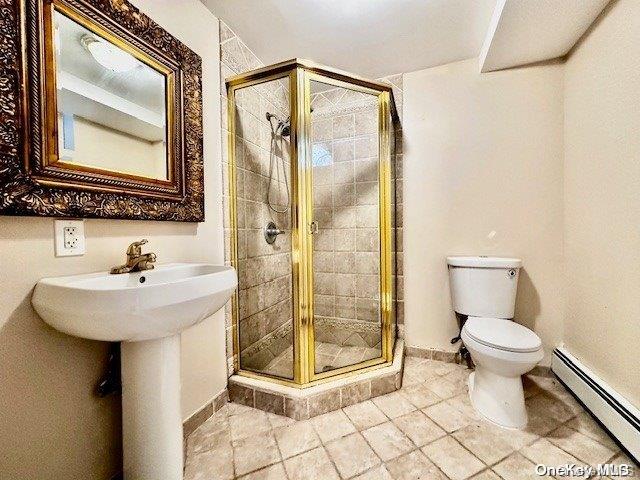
point(304, 403)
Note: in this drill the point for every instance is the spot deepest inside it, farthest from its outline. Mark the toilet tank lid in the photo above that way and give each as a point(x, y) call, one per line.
point(502, 334)
point(484, 262)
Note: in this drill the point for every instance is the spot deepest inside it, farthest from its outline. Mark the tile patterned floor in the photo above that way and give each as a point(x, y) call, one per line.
point(426, 430)
point(328, 357)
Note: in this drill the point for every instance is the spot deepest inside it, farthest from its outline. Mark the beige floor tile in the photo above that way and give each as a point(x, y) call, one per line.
point(352, 455)
point(516, 467)
point(419, 374)
point(486, 475)
point(428, 369)
point(422, 371)
point(449, 418)
point(413, 362)
point(481, 440)
point(211, 434)
point(547, 384)
point(419, 395)
point(414, 466)
point(541, 424)
point(365, 415)
point(543, 451)
point(255, 452)
point(312, 464)
point(515, 438)
point(567, 399)
point(462, 403)
point(540, 421)
point(296, 438)
point(387, 441)
point(274, 472)
point(409, 379)
point(443, 368)
point(393, 404)
point(332, 425)
point(580, 446)
point(453, 459)
point(377, 473)
point(442, 387)
point(530, 386)
point(419, 428)
point(279, 421)
point(551, 406)
point(585, 424)
point(534, 384)
point(248, 423)
point(215, 463)
point(237, 409)
point(459, 378)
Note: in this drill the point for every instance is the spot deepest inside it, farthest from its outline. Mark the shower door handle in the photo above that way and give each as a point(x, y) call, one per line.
point(313, 227)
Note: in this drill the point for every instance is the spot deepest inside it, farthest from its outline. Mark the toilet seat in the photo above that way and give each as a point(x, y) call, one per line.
point(502, 352)
point(502, 334)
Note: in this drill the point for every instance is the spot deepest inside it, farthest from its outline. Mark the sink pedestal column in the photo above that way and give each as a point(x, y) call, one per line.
point(151, 416)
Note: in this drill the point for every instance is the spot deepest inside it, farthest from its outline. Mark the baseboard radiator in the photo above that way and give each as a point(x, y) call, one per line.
point(611, 409)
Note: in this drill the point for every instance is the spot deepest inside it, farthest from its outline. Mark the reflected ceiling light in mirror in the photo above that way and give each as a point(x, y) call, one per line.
point(108, 55)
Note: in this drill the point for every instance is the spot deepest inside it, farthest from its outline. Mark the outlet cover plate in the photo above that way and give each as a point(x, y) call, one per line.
point(69, 237)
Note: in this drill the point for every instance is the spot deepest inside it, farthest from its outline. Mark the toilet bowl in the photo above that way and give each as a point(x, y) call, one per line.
point(502, 351)
point(483, 294)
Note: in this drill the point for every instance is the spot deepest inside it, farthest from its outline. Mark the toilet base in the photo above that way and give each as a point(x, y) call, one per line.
point(498, 399)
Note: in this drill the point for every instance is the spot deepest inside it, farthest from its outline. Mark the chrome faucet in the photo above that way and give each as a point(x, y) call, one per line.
point(136, 260)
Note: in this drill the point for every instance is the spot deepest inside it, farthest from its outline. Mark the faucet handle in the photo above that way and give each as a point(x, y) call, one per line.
point(134, 248)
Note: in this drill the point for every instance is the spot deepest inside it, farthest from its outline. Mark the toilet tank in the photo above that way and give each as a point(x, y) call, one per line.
point(484, 286)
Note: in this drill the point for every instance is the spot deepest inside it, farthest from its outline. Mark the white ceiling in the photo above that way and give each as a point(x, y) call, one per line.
point(528, 31)
point(373, 38)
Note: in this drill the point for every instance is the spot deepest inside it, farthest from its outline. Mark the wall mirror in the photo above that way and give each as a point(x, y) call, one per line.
point(107, 112)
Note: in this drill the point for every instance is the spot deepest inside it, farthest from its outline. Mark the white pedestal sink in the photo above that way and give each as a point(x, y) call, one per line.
point(146, 311)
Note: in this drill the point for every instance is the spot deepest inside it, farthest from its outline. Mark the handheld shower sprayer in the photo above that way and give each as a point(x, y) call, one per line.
point(279, 130)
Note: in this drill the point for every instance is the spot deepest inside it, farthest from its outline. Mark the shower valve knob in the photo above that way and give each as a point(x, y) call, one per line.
point(271, 232)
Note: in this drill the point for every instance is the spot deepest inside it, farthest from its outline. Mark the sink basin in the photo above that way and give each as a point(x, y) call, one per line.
point(134, 306)
point(145, 311)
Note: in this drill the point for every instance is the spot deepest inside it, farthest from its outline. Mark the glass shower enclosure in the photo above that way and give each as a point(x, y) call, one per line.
point(311, 182)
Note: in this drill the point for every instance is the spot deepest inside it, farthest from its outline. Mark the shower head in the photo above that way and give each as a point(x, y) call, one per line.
point(281, 127)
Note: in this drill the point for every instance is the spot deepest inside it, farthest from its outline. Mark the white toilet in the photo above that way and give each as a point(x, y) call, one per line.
point(484, 289)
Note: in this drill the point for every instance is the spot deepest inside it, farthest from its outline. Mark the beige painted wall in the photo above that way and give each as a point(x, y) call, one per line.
point(51, 424)
point(482, 176)
point(602, 193)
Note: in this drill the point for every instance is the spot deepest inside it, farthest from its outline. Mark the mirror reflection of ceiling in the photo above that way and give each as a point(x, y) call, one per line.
point(131, 101)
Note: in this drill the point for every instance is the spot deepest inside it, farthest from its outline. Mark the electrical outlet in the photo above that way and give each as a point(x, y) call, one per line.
point(69, 237)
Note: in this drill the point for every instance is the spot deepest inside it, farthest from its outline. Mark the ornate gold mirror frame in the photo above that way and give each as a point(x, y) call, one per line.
point(33, 179)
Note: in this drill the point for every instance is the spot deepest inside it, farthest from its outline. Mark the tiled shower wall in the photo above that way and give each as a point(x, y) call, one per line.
point(264, 270)
point(345, 198)
point(345, 151)
point(237, 58)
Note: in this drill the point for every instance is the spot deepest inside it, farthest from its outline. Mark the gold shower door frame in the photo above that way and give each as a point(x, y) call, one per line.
point(300, 73)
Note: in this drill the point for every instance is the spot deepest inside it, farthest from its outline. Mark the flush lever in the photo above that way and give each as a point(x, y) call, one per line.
point(313, 227)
